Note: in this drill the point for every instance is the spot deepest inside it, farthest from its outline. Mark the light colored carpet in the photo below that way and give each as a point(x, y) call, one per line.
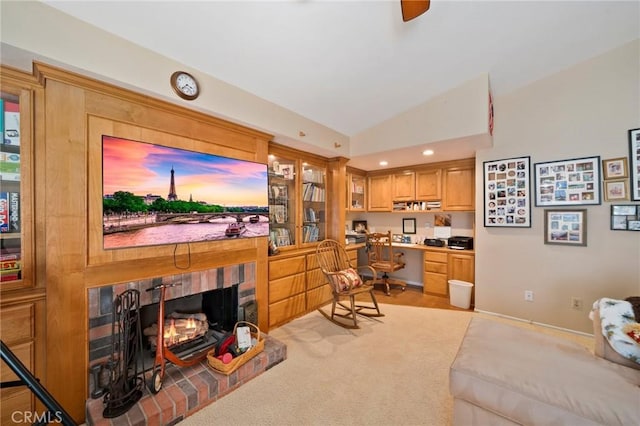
point(393, 370)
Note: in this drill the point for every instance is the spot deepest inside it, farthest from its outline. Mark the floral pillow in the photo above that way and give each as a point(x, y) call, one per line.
point(347, 277)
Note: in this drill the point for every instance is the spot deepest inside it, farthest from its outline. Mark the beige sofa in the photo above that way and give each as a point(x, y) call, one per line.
point(504, 374)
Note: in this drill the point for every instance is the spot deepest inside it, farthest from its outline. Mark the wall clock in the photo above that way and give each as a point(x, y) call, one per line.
point(185, 85)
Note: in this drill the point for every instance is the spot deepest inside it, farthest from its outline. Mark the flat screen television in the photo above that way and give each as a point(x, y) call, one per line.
point(154, 194)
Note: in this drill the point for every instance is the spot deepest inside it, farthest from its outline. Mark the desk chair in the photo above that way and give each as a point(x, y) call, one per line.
point(383, 258)
point(346, 283)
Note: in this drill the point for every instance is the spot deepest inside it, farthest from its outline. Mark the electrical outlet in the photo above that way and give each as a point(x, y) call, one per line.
point(576, 303)
point(528, 295)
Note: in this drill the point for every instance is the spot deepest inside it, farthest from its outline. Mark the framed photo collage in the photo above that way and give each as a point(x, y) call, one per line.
point(507, 193)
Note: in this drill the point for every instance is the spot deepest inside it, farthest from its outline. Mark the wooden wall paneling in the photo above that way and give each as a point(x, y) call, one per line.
point(76, 113)
point(66, 236)
point(336, 194)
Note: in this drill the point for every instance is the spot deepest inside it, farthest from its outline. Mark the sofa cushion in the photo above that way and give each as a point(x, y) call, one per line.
point(533, 378)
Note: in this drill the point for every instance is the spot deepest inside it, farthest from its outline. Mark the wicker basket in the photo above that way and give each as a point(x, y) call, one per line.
point(238, 361)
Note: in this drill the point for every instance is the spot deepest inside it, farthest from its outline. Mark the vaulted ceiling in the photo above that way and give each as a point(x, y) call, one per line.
point(350, 65)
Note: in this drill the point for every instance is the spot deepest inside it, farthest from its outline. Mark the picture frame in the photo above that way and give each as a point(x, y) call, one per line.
point(507, 192)
point(614, 168)
point(360, 226)
point(615, 190)
point(408, 225)
point(634, 164)
point(565, 227)
point(568, 182)
point(625, 217)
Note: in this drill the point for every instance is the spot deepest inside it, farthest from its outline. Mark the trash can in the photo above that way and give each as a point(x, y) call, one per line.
point(460, 293)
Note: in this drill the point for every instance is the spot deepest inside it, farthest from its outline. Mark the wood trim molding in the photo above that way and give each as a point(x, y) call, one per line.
point(44, 72)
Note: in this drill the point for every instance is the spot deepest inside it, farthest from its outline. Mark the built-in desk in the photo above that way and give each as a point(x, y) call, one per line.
point(432, 267)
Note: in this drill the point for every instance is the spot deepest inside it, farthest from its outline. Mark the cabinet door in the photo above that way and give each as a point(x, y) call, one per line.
point(16, 168)
point(429, 185)
point(282, 201)
point(462, 267)
point(459, 188)
point(404, 187)
point(314, 203)
point(356, 193)
point(379, 193)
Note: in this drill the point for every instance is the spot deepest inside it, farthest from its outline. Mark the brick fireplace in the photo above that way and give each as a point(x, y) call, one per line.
point(185, 389)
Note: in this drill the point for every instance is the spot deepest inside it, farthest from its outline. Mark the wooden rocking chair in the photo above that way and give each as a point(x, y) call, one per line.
point(346, 283)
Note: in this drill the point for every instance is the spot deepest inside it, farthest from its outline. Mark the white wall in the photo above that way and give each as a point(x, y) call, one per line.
point(583, 111)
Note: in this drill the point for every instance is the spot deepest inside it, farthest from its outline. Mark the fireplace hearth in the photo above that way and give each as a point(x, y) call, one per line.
point(218, 294)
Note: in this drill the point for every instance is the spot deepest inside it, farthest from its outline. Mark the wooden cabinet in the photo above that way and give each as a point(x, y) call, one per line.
point(379, 193)
point(459, 187)
point(22, 328)
point(16, 182)
point(404, 186)
point(297, 285)
point(441, 265)
point(461, 267)
point(444, 186)
point(297, 198)
point(356, 192)
point(435, 273)
point(429, 185)
point(22, 297)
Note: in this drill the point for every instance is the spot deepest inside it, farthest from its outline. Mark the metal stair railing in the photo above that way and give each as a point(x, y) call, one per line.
point(55, 413)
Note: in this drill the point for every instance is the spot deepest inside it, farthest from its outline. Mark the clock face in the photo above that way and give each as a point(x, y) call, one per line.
point(185, 85)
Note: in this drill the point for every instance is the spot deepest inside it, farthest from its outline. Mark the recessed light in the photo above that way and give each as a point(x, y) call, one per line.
point(384, 163)
point(427, 152)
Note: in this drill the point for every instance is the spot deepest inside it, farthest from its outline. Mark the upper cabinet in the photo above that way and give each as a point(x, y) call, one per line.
point(446, 186)
point(459, 187)
point(429, 185)
point(297, 199)
point(379, 193)
point(356, 191)
point(16, 184)
point(404, 186)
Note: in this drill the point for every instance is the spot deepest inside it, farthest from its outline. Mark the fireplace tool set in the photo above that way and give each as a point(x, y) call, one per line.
point(125, 385)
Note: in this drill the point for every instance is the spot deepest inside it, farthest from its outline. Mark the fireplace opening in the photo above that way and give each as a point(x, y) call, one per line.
point(191, 324)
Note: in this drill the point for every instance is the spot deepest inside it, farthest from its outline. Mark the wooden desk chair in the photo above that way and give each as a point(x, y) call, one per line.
point(346, 283)
point(383, 258)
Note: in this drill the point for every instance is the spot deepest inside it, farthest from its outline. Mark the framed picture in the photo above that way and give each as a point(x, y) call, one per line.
point(409, 226)
point(360, 226)
point(634, 161)
point(566, 227)
point(615, 190)
point(568, 182)
point(507, 193)
point(614, 168)
point(625, 217)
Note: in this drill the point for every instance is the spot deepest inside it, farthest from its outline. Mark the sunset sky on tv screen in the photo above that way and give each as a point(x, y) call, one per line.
point(145, 168)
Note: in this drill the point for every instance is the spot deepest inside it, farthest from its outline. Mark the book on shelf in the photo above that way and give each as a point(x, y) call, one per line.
point(9, 211)
point(278, 213)
point(4, 212)
point(312, 192)
point(10, 275)
point(11, 118)
point(10, 265)
point(310, 233)
point(9, 166)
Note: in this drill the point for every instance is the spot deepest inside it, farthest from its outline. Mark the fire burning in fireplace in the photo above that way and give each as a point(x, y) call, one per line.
point(178, 328)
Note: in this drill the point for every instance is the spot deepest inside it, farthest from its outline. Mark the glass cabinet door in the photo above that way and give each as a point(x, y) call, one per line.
point(357, 192)
point(11, 252)
point(282, 201)
point(314, 207)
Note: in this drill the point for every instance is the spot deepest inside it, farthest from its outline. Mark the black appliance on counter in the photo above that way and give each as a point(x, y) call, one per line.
point(461, 243)
point(434, 242)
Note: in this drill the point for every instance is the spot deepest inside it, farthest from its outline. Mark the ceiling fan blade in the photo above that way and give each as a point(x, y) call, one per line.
point(413, 8)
